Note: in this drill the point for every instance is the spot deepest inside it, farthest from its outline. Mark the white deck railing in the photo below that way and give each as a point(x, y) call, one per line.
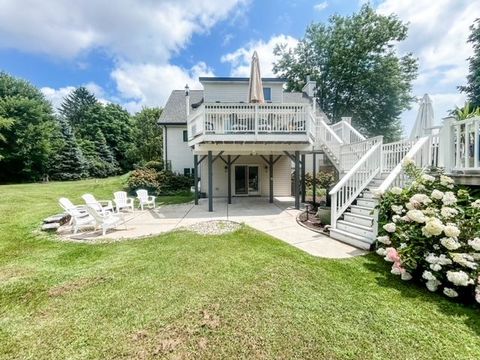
point(347, 132)
point(329, 141)
point(239, 118)
point(354, 182)
point(461, 144)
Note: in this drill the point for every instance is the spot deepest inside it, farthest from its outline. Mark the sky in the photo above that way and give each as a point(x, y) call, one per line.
point(135, 52)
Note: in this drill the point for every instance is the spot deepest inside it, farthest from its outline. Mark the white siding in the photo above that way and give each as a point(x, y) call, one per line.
point(237, 91)
point(281, 176)
point(178, 151)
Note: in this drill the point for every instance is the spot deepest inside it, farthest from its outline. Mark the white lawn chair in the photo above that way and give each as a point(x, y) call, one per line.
point(122, 201)
point(145, 199)
point(107, 221)
point(102, 206)
point(79, 215)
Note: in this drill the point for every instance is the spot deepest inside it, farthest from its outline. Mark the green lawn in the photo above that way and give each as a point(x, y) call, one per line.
point(180, 295)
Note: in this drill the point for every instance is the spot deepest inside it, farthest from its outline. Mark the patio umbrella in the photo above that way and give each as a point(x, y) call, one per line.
point(255, 87)
point(424, 121)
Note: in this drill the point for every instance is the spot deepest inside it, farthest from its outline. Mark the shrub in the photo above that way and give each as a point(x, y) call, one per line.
point(430, 231)
point(171, 183)
point(143, 179)
point(155, 165)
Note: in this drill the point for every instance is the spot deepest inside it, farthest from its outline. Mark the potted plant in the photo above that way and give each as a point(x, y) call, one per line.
point(324, 181)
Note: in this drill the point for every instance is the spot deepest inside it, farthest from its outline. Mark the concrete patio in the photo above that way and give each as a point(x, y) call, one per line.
point(277, 220)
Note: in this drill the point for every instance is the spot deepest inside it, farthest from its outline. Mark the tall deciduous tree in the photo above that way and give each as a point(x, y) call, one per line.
point(147, 136)
point(356, 67)
point(472, 89)
point(29, 126)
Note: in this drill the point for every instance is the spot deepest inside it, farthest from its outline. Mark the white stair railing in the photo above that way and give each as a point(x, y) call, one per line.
point(347, 132)
point(351, 153)
point(329, 141)
point(394, 152)
point(355, 181)
point(420, 153)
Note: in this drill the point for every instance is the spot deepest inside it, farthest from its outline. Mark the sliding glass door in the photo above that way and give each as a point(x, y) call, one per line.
point(247, 180)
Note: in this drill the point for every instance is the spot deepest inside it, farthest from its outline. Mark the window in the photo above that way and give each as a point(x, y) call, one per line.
point(185, 135)
point(267, 94)
point(186, 171)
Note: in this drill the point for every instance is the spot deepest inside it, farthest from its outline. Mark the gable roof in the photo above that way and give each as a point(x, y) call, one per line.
point(175, 111)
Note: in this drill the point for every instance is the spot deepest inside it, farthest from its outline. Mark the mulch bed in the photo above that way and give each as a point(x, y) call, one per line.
point(308, 219)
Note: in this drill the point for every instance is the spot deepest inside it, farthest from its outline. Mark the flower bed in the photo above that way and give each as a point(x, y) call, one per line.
point(430, 231)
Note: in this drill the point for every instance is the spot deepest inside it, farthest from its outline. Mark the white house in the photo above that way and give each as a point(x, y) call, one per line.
point(240, 148)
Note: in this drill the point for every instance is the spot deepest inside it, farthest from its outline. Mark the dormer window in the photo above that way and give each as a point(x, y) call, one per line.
point(267, 94)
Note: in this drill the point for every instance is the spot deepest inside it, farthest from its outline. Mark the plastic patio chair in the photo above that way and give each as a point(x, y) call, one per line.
point(145, 199)
point(102, 206)
point(122, 201)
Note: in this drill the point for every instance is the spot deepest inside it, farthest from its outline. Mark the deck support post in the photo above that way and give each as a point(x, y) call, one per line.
point(210, 184)
point(195, 177)
point(314, 179)
point(296, 180)
point(303, 178)
point(229, 180)
point(271, 178)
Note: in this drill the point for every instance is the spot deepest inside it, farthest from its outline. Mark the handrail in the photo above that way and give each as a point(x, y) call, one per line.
point(355, 131)
point(331, 132)
point(354, 182)
point(419, 145)
point(350, 153)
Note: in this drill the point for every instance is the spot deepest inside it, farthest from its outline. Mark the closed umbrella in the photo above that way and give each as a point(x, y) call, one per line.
point(255, 87)
point(424, 122)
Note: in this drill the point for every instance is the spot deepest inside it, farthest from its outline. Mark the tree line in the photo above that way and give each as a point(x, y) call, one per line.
point(84, 138)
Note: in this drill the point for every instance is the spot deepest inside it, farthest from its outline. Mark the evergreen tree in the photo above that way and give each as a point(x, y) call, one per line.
point(69, 162)
point(107, 165)
point(472, 89)
point(357, 70)
point(75, 107)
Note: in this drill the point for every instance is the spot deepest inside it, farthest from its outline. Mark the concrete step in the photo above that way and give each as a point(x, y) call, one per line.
point(370, 203)
point(351, 239)
point(364, 220)
point(356, 229)
point(362, 210)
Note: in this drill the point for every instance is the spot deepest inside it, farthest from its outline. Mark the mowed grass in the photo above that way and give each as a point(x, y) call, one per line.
point(180, 295)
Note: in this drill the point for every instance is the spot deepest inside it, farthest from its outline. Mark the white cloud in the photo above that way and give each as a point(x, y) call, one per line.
point(320, 6)
point(128, 29)
point(150, 84)
point(56, 96)
point(240, 59)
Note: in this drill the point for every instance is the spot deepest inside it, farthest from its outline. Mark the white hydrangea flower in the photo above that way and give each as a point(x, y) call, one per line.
point(437, 194)
point(459, 278)
point(381, 251)
point(420, 199)
point(402, 246)
point(465, 260)
point(449, 198)
point(450, 292)
point(390, 227)
point(396, 218)
point(476, 204)
point(436, 267)
point(377, 193)
point(475, 244)
point(450, 243)
point(448, 212)
point(406, 276)
point(396, 190)
point(428, 178)
point(397, 209)
point(384, 240)
point(417, 216)
point(407, 161)
point(409, 206)
point(433, 227)
point(427, 275)
point(433, 259)
point(451, 230)
point(446, 181)
point(432, 285)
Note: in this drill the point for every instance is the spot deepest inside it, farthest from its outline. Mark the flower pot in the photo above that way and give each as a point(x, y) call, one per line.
point(324, 214)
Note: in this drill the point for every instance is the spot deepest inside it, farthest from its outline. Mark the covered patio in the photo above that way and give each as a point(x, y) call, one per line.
point(277, 219)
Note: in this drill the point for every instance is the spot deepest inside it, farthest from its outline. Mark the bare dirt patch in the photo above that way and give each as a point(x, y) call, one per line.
point(76, 285)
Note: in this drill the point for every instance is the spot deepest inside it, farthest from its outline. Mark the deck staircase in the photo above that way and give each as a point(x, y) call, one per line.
point(364, 165)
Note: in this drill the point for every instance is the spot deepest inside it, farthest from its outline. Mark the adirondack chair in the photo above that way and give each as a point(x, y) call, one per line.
point(107, 221)
point(145, 199)
point(79, 214)
point(102, 206)
point(122, 201)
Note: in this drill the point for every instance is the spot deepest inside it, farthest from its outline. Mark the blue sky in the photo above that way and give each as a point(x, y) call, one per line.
point(138, 51)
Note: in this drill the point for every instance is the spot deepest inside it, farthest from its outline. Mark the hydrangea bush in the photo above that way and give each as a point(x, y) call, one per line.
point(430, 231)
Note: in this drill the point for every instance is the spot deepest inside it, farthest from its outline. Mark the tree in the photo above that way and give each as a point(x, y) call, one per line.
point(357, 70)
point(108, 164)
point(147, 136)
point(27, 131)
point(472, 89)
point(76, 105)
point(69, 162)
